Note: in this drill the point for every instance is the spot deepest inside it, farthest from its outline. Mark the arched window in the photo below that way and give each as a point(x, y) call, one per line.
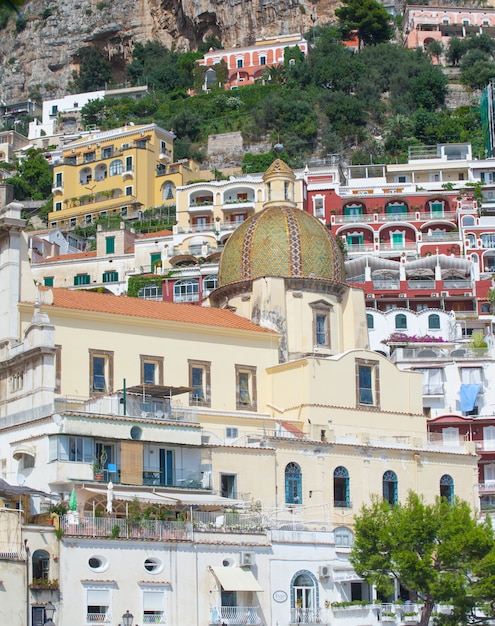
point(433, 321)
point(293, 484)
point(400, 321)
point(468, 220)
point(341, 488)
point(343, 536)
point(304, 598)
point(209, 284)
point(168, 191)
point(390, 487)
point(41, 565)
point(115, 167)
point(370, 320)
point(186, 291)
point(447, 488)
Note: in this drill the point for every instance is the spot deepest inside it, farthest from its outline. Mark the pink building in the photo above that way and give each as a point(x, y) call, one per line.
point(247, 64)
point(424, 24)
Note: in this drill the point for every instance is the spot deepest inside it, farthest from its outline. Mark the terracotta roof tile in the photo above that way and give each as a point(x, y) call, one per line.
point(69, 257)
point(135, 307)
point(160, 233)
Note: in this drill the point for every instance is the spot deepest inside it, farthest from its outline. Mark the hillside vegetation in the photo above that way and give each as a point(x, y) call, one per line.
point(371, 104)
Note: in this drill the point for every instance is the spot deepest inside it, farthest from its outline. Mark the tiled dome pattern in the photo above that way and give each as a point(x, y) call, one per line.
point(284, 242)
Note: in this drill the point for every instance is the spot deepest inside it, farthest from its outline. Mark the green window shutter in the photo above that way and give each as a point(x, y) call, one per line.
point(48, 281)
point(110, 245)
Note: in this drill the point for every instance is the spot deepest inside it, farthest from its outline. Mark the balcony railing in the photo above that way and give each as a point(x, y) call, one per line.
point(386, 284)
point(125, 528)
point(205, 521)
point(180, 479)
point(98, 618)
point(487, 487)
point(421, 284)
point(307, 616)
point(433, 390)
point(235, 615)
point(156, 618)
point(436, 352)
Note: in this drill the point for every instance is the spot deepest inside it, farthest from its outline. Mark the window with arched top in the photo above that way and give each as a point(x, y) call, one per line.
point(209, 284)
point(434, 321)
point(115, 167)
point(370, 320)
point(390, 486)
point(468, 220)
point(41, 565)
point(447, 488)
point(304, 598)
point(400, 321)
point(293, 484)
point(186, 291)
point(168, 191)
point(341, 487)
point(343, 536)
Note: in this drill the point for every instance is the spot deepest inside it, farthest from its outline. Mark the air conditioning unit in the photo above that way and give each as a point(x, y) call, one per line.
point(434, 295)
point(98, 145)
point(324, 571)
point(125, 146)
point(247, 559)
point(370, 295)
point(403, 295)
point(444, 294)
point(468, 294)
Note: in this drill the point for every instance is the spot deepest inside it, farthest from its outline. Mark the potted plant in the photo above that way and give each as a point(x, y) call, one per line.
point(99, 465)
point(388, 616)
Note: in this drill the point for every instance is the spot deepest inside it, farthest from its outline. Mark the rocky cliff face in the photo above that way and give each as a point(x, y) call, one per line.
point(41, 58)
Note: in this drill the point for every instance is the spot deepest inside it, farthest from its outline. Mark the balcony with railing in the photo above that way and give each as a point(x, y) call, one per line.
point(386, 284)
point(487, 487)
point(125, 528)
point(235, 615)
point(98, 618)
point(421, 284)
point(183, 479)
point(314, 615)
point(437, 352)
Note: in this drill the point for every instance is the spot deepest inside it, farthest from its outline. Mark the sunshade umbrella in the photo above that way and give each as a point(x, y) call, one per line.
point(73, 500)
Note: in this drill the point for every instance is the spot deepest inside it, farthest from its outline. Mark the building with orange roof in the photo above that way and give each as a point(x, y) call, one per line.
point(218, 452)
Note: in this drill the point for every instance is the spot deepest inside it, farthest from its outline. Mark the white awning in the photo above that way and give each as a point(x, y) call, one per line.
point(236, 579)
point(23, 449)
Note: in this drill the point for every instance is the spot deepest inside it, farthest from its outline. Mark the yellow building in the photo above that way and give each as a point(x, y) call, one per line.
point(117, 172)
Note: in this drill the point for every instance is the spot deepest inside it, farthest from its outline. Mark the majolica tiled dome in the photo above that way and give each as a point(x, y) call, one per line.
point(281, 241)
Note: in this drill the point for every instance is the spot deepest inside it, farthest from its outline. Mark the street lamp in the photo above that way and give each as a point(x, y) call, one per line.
point(127, 618)
point(49, 613)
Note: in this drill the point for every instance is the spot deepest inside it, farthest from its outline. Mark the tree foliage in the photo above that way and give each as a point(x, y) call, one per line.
point(437, 551)
point(368, 17)
point(95, 72)
point(33, 179)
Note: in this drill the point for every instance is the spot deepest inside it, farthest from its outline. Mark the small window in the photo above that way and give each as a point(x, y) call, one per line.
point(58, 179)
point(97, 563)
point(128, 191)
point(447, 488)
point(153, 565)
point(123, 211)
point(199, 381)
point(343, 537)
point(81, 279)
point(434, 321)
point(240, 63)
point(293, 484)
point(245, 387)
point(262, 59)
point(97, 605)
point(128, 164)
point(48, 281)
point(390, 487)
point(151, 292)
point(400, 321)
point(228, 487)
point(231, 433)
point(107, 153)
point(151, 370)
point(115, 168)
point(73, 222)
point(41, 565)
point(367, 382)
point(101, 371)
point(341, 488)
point(58, 206)
point(110, 245)
point(168, 191)
point(110, 277)
point(370, 320)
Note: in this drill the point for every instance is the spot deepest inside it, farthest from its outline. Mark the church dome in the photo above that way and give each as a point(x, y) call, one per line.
point(280, 241)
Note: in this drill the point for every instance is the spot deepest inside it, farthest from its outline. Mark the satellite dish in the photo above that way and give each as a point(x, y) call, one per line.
point(21, 479)
point(159, 414)
point(57, 419)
